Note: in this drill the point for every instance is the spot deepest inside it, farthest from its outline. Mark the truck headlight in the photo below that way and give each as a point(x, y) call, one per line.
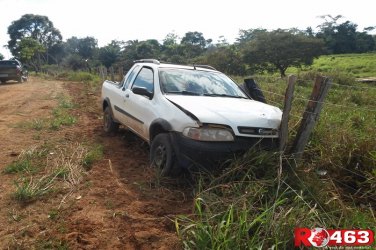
point(208, 134)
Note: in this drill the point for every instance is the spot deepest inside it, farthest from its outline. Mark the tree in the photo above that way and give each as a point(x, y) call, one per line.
point(171, 39)
point(148, 49)
point(84, 47)
point(248, 35)
point(225, 59)
point(110, 53)
point(1, 57)
point(30, 51)
point(75, 62)
point(343, 37)
point(29, 48)
point(196, 39)
point(171, 50)
point(280, 49)
point(87, 47)
point(37, 27)
point(194, 44)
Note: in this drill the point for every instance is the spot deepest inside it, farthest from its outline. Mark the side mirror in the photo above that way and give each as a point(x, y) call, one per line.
point(142, 91)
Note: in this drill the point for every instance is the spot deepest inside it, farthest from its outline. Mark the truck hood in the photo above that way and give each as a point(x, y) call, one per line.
point(230, 111)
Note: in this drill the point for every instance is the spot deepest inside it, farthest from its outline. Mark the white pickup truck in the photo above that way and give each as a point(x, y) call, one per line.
point(190, 115)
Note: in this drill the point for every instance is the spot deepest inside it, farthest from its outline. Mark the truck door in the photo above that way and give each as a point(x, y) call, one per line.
point(141, 107)
point(119, 101)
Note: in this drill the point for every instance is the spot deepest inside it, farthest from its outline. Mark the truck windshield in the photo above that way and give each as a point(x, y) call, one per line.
point(198, 82)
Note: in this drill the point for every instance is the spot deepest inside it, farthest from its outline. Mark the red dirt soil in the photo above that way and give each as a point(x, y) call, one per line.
point(120, 204)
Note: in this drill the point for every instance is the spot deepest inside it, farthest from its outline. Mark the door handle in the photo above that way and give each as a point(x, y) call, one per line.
point(125, 97)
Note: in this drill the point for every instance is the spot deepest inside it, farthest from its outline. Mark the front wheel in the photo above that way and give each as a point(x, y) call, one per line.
point(162, 155)
point(109, 125)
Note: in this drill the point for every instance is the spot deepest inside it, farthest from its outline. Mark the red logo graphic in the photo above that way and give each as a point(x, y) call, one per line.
point(320, 237)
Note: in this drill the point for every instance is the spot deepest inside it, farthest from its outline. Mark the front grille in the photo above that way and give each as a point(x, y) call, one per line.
point(257, 131)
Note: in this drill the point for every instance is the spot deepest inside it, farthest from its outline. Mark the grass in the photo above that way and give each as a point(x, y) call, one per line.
point(261, 198)
point(59, 73)
point(18, 166)
point(28, 190)
point(250, 206)
point(28, 161)
point(258, 201)
point(93, 155)
point(44, 169)
point(61, 114)
point(353, 65)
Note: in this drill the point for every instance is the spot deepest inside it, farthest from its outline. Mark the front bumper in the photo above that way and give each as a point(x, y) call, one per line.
point(211, 154)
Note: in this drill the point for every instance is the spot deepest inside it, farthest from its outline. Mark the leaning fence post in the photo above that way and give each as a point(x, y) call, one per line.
point(289, 96)
point(311, 115)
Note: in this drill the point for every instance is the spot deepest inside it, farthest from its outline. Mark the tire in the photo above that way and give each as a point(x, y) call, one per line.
point(109, 125)
point(162, 155)
point(20, 79)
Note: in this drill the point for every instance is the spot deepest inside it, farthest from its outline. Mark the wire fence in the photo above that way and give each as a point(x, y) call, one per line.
point(299, 97)
point(350, 171)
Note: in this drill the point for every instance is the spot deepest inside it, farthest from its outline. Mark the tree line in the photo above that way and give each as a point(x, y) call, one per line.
point(35, 41)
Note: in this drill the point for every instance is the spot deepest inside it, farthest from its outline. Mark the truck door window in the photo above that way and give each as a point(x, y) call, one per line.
point(145, 79)
point(129, 77)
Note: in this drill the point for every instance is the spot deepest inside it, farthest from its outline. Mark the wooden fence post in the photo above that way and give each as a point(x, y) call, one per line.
point(120, 73)
point(112, 74)
point(289, 96)
point(311, 115)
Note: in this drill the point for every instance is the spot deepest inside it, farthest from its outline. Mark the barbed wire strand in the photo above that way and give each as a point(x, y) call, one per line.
point(298, 97)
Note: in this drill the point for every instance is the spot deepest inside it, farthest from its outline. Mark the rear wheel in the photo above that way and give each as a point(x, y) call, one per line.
point(20, 79)
point(162, 155)
point(109, 125)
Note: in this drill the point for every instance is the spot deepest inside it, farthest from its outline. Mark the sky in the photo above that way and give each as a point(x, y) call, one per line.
point(122, 20)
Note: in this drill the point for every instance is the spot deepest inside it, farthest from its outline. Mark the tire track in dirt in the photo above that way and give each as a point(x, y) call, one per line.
point(141, 206)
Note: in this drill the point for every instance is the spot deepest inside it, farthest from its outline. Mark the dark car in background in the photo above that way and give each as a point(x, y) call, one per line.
point(12, 70)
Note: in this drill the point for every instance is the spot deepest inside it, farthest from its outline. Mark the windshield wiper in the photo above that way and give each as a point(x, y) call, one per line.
point(184, 92)
point(225, 95)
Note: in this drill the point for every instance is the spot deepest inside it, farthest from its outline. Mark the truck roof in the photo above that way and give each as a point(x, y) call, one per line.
point(159, 64)
point(9, 62)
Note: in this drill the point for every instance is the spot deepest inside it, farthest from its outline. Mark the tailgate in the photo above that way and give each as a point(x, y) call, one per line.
point(6, 70)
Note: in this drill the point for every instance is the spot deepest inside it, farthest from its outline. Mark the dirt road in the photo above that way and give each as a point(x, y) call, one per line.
point(119, 203)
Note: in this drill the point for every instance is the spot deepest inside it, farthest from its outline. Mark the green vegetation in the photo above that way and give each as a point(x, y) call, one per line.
point(28, 162)
point(35, 41)
point(61, 116)
point(42, 170)
point(268, 51)
point(17, 167)
point(258, 200)
point(94, 154)
point(356, 65)
point(345, 66)
point(249, 205)
point(27, 189)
